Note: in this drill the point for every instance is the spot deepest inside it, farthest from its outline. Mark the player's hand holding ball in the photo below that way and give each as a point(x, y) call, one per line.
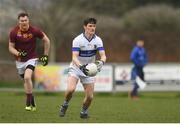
point(84, 69)
point(99, 64)
point(92, 69)
point(22, 53)
point(89, 69)
point(44, 60)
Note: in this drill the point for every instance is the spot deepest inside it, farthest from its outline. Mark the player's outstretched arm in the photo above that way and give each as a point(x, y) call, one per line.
point(44, 59)
point(46, 44)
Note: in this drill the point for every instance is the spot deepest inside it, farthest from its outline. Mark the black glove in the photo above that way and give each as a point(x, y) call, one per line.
point(22, 53)
point(84, 69)
point(99, 64)
point(44, 60)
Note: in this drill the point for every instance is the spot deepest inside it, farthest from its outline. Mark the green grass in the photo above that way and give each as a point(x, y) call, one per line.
point(13, 84)
point(107, 108)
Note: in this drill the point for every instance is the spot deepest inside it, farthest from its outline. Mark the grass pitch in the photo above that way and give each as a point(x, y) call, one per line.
point(106, 108)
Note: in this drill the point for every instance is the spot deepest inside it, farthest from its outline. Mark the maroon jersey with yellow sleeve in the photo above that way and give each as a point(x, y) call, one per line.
point(25, 41)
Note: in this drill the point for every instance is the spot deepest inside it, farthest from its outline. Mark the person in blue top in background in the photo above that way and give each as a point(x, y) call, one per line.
point(139, 59)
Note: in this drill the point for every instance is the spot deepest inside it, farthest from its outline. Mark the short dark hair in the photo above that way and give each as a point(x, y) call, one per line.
point(90, 20)
point(23, 14)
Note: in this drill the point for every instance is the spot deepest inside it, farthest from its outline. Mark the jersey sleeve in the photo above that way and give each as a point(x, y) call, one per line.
point(75, 45)
point(12, 37)
point(100, 45)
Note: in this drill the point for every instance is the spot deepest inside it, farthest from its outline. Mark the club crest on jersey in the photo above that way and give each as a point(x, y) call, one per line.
point(19, 34)
point(27, 35)
point(95, 46)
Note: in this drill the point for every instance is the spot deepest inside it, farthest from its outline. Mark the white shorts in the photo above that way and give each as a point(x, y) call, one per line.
point(77, 73)
point(21, 66)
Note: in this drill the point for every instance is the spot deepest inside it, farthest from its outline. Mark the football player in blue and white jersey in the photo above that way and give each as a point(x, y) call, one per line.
point(84, 49)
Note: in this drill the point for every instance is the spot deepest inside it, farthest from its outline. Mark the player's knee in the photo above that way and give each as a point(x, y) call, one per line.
point(30, 67)
point(27, 78)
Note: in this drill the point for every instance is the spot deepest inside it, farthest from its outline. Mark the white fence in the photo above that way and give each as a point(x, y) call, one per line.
point(159, 77)
point(154, 73)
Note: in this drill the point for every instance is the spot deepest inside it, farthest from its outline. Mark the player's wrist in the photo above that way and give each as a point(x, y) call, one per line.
point(80, 65)
point(99, 62)
point(45, 55)
point(18, 54)
point(102, 62)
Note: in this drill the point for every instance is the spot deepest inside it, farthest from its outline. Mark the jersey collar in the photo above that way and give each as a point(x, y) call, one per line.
point(94, 36)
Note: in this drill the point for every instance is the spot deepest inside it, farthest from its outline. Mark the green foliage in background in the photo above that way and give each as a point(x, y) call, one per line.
point(120, 24)
point(153, 18)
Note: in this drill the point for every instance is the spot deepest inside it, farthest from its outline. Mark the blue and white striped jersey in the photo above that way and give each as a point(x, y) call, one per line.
point(87, 48)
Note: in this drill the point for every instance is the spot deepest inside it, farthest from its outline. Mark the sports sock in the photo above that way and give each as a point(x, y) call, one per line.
point(33, 101)
point(66, 103)
point(28, 99)
point(84, 108)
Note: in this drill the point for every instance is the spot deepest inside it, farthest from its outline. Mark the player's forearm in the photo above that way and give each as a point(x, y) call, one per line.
point(13, 51)
point(103, 58)
point(76, 61)
point(46, 46)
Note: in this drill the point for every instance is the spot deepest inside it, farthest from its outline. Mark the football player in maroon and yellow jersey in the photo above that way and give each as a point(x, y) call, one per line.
point(22, 44)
